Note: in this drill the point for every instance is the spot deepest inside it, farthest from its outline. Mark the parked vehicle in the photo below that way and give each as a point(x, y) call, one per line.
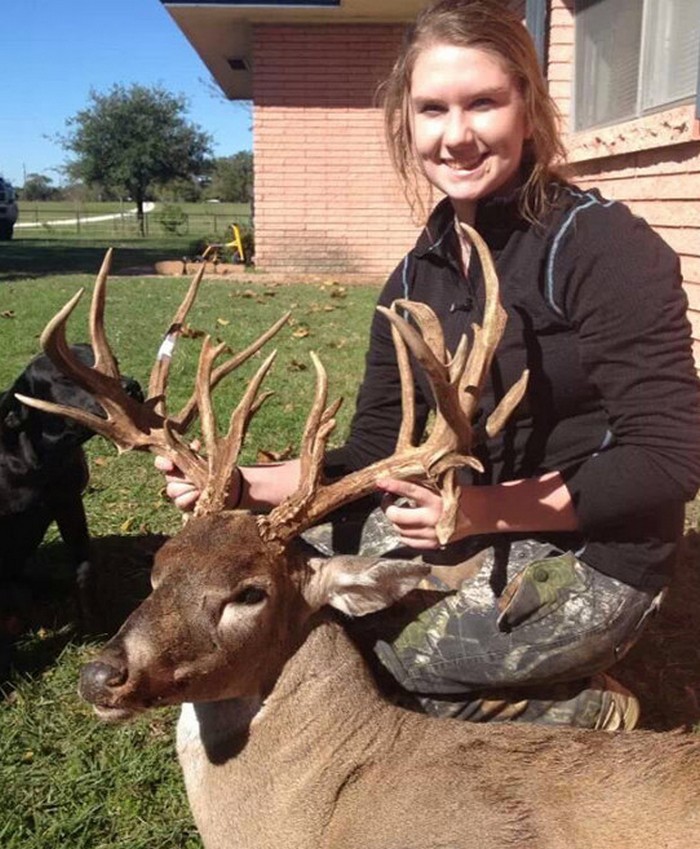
point(8, 210)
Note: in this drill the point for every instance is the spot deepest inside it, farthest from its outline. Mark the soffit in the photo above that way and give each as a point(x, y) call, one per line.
point(222, 32)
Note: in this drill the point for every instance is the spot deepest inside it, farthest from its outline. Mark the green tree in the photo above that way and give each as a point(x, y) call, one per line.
point(232, 178)
point(134, 139)
point(38, 187)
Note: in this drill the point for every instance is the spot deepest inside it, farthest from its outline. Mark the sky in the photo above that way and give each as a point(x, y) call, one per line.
point(54, 52)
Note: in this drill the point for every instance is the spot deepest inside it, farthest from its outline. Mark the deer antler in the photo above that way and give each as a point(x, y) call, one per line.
point(457, 385)
point(146, 426)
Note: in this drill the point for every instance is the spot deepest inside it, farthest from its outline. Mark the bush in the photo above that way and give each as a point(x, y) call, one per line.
point(172, 219)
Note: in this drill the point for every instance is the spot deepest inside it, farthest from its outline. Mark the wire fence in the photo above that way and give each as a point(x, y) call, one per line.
point(43, 222)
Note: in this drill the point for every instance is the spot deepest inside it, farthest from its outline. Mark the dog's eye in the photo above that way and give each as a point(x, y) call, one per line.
point(251, 595)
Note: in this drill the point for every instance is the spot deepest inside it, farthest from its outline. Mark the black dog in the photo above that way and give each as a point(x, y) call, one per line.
point(43, 473)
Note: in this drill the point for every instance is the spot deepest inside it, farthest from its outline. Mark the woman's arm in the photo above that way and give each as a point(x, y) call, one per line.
point(528, 506)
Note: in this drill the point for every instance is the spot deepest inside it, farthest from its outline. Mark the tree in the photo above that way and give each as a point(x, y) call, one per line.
point(38, 187)
point(133, 139)
point(232, 178)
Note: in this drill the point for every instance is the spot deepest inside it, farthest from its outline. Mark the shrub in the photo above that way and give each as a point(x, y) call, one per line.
point(172, 218)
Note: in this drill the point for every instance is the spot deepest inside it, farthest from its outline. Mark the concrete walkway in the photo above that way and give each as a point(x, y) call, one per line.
point(149, 206)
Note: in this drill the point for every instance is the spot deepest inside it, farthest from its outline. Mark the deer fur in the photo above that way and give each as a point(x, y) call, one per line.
point(286, 742)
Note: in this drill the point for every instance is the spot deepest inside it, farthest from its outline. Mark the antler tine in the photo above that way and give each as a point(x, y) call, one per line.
point(486, 337)
point(158, 381)
point(184, 418)
point(207, 416)
point(223, 452)
point(408, 394)
point(284, 521)
point(105, 360)
point(319, 427)
point(444, 383)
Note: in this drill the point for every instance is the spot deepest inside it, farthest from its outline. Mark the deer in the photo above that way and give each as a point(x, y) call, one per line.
point(284, 737)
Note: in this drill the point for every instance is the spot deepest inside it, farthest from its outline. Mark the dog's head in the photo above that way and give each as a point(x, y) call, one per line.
point(34, 444)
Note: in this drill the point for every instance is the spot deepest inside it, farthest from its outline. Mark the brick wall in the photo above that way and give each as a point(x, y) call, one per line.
point(326, 198)
point(652, 164)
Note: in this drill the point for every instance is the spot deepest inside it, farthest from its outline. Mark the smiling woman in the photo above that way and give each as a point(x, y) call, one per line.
point(569, 519)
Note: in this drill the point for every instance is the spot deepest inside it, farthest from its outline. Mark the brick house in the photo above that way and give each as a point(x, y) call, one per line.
point(325, 197)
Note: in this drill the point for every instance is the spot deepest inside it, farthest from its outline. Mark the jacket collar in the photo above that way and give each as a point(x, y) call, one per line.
point(496, 218)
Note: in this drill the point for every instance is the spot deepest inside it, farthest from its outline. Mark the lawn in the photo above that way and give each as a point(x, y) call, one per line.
point(68, 780)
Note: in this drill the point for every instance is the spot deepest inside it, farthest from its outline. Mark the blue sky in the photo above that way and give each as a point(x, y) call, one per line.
point(55, 51)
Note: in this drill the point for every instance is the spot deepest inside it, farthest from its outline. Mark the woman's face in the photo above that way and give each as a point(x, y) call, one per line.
point(469, 124)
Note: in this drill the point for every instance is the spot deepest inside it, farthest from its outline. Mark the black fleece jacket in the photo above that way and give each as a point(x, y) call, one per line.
point(597, 313)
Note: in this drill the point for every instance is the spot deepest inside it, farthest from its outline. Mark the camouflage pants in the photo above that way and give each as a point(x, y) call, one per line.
point(528, 627)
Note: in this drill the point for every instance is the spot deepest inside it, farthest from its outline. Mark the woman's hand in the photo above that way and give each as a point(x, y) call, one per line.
point(182, 492)
point(415, 524)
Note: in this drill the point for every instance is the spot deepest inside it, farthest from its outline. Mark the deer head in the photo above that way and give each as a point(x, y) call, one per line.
point(234, 594)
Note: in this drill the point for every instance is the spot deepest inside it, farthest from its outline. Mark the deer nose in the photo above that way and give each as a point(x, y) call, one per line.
point(98, 678)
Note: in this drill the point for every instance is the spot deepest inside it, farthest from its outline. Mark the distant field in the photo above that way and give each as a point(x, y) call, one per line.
point(58, 219)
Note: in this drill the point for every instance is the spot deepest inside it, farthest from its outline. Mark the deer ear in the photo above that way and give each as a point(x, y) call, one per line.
point(360, 585)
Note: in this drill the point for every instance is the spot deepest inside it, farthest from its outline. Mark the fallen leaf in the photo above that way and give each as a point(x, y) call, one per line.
point(190, 332)
point(223, 321)
point(264, 456)
point(125, 527)
point(301, 332)
point(7, 314)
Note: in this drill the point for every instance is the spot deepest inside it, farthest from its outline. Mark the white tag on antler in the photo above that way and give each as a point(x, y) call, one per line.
point(167, 346)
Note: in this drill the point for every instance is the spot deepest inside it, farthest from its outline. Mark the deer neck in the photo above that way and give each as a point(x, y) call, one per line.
point(325, 682)
point(250, 767)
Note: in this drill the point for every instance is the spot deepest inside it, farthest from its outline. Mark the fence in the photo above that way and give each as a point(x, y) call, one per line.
point(97, 221)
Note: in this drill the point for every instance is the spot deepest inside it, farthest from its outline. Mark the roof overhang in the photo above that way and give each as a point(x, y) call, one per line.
point(220, 31)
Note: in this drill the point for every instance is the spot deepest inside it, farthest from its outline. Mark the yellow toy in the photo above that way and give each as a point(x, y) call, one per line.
point(211, 252)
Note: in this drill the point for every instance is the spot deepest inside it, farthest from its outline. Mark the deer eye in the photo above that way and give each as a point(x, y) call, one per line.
point(250, 595)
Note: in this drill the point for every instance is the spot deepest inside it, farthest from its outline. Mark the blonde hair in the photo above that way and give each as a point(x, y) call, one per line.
point(487, 25)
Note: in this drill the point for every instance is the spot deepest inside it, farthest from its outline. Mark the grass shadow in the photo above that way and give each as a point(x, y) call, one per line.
point(27, 259)
point(663, 669)
point(51, 619)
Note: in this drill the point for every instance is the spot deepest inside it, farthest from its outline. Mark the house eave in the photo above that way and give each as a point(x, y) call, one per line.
point(221, 32)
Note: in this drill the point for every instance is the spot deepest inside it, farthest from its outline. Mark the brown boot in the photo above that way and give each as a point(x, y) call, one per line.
point(600, 703)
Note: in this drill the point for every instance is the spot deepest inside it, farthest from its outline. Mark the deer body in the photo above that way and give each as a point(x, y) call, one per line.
point(328, 764)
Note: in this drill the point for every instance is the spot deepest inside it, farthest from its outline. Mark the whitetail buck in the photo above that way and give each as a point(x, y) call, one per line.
point(284, 740)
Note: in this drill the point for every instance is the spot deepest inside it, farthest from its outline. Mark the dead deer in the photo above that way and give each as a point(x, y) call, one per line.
point(284, 739)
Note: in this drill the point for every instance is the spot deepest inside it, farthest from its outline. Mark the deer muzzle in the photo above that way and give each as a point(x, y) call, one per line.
point(102, 684)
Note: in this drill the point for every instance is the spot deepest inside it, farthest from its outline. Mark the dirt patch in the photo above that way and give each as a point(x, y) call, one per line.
point(237, 271)
point(663, 669)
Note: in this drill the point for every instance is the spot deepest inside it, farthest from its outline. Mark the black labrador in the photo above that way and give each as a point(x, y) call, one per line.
point(43, 473)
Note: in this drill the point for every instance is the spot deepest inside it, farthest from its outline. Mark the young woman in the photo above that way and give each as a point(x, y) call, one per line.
point(574, 525)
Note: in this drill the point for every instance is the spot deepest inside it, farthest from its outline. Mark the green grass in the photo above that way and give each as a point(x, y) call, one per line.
point(68, 780)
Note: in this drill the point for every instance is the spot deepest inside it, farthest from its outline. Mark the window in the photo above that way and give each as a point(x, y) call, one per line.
point(633, 57)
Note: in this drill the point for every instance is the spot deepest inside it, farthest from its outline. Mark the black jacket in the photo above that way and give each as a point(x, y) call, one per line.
point(596, 311)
